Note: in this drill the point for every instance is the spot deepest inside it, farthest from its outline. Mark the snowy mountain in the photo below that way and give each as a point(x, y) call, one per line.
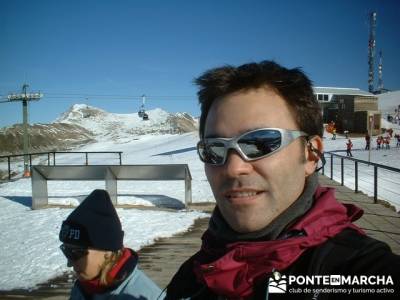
point(388, 102)
point(83, 124)
point(113, 125)
point(44, 137)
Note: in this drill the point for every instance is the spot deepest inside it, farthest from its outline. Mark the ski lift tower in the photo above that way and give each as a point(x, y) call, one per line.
point(25, 97)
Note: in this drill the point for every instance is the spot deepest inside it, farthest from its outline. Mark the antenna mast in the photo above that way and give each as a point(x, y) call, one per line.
point(380, 79)
point(371, 52)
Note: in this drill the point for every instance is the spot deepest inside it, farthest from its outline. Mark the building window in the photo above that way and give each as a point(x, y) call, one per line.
point(320, 98)
point(326, 98)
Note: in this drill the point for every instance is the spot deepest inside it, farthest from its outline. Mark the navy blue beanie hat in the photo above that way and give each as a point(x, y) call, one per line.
point(94, 224)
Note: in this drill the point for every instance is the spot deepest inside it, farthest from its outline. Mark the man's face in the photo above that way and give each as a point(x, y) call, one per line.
point(252, 194)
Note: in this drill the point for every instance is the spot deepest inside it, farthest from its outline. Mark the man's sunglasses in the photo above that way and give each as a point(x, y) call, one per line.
point(251, 145)
point(73, 253)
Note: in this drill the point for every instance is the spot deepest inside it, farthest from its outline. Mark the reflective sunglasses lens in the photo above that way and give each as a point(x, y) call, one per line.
point(211, 153)
point(73, 253)
point(259, 143)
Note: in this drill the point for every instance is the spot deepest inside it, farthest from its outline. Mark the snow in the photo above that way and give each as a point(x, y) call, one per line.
point(388, 102)
point(29, 243)
point(388, 181)
point(103, 123)
point(29, 252)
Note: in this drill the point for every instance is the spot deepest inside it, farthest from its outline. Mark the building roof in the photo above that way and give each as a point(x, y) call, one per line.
point(341, 91)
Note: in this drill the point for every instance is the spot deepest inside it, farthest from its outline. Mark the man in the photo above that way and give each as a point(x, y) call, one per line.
point(261, 140)
point(367, 141)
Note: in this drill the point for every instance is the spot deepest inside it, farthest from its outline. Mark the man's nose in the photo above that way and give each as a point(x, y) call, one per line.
point(236, 166)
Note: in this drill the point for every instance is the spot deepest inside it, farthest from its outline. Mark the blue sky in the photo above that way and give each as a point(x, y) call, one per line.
point(80, 51)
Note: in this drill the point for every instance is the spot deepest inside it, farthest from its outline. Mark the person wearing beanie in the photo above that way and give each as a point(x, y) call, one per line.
point(92, 242)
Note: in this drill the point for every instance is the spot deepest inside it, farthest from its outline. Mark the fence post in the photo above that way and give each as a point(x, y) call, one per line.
point(120, 158)
point(86, 154)
point(30, 160)
point(342, 170)
point(375, 184)
point(54, 158)
point(48, 158)
point(9, 168)
point(331, 166)
point(356, 177)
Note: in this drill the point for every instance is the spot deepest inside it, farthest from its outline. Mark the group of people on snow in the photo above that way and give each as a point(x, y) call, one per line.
point(382, 142)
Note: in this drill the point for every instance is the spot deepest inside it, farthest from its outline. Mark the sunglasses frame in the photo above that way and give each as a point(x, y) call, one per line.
point(68, 252)
point(287, 136)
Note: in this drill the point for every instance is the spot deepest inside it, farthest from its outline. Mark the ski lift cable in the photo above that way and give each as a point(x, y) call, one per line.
point(128, 98)
point(118, 95)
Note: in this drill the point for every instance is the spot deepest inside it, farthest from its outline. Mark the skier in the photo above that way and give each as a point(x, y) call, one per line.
point(334, 134)
point(349, 145)
point(367, 141)
point(378, 142)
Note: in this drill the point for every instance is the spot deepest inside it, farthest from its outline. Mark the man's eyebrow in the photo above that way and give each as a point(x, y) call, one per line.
point(214, 135)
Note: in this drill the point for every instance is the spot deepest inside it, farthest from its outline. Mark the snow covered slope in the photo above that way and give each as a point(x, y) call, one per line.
point(115, 126)
point(83, 124)
point(388, 102)
point(35, 232)
point(44, 137)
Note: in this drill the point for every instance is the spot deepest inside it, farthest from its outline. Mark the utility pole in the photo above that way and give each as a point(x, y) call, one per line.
point(370, 130)
point(25, 97)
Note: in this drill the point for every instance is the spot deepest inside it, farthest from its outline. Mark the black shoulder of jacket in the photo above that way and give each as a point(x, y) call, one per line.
point(349, 253)
point(367, 256)
point(184, 284)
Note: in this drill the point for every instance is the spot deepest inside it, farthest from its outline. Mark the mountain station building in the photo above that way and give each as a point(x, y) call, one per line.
point(351, 109)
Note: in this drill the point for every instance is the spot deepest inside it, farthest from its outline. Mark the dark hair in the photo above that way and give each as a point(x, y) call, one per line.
point(292, 84)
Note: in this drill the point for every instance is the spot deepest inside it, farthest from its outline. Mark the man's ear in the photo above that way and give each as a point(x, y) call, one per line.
point(313, 153)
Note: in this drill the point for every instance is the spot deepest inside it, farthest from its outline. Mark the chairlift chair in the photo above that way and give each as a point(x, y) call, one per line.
point(141, 113)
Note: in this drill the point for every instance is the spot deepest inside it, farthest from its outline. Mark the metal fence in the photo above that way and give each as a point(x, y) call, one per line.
point(52, 157)
point(381, 181)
